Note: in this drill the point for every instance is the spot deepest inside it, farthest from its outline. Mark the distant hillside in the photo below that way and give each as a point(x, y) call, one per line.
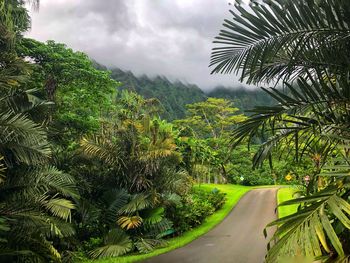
point(173, 95)
point(244, 99)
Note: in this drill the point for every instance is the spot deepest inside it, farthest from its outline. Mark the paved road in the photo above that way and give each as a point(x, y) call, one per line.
point(237, 239)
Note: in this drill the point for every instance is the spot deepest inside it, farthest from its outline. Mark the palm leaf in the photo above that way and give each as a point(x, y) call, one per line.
point(129, 222)
point(40, 180)
point(59, 207)
point(311, 226)
point(153, 216)
point(114, 200)
point(117, 243)
point(137, 203)
point(26, 139)
point(144, 245)
point(101, 147)
point(281, 39)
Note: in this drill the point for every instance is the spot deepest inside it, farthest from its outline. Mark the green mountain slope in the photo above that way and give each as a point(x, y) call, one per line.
point(244, 99)
point(173, 95)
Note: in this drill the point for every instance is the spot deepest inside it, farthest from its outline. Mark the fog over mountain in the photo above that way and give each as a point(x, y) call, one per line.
point(154, 37)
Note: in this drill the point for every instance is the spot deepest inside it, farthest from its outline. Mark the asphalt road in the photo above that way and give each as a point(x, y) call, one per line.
point(237, 239)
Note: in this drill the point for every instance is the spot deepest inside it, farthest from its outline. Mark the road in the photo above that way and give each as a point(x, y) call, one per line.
point(237, 239)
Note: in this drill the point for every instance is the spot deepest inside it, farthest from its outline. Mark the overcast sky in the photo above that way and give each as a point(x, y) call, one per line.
point(155, 37)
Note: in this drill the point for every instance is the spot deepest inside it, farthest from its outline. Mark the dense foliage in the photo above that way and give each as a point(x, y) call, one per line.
point(243, 98)
point(303, 44)
point(89, 169)
point(81, 94)
point(36, 199)
point(194, 208)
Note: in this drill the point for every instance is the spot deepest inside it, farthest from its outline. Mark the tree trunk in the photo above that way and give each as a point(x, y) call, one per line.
point(223, 173)
point(209, 173)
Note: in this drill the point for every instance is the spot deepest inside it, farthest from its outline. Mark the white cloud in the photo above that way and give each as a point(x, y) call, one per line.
point(156, 37)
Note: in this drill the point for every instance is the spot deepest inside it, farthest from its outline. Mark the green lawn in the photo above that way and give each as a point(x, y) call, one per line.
point(285, 194)
point(233, 194)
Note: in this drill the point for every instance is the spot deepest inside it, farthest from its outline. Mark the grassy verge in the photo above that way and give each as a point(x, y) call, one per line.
point(233, 194)
point(285, 194)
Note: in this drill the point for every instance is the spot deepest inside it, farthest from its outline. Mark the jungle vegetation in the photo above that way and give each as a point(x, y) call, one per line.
point(87, 169)
point(96, 163)
point(303, 45)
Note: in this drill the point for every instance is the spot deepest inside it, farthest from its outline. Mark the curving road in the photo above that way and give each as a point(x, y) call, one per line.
point(237, 239)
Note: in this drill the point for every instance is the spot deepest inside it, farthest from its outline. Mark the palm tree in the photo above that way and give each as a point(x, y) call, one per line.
point(302, 45)
point(137, 152)
point(35, 198)
point(284, 39)
point(136, 145)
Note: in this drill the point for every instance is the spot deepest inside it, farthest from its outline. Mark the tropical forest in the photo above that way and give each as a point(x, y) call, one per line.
point(236, 148)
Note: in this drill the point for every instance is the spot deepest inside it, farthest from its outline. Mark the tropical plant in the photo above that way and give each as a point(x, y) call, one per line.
point(35, 198)
point(136, 146)
point(137, 152)
point(283, 39)
point(304, 44)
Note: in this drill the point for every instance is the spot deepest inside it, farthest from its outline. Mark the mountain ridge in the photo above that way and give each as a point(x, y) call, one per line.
point(175, 95)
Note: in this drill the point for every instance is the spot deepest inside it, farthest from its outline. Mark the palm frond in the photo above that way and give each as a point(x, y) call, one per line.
point(59, 207)
point(100, 147)
point(88, 211)
point(26, 139)
point(41, 180)
point(144, 245)
point(282, 39)
point(129, 222)
point(116, 242)
point(311, 226)
point(153, 216)
point(313, 109)
point(138, 202)
point(114, 201)
point(159, 229)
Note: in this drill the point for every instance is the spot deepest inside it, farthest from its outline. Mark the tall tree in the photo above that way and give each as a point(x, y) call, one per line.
point(81, 94)
point(35, 198)
point(211, 122)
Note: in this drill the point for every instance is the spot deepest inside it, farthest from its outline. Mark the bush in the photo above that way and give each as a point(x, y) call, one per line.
point(240, 168)
point(194, 208)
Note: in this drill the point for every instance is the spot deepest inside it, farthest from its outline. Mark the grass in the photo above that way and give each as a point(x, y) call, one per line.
point(233, 194)
point(285, 194)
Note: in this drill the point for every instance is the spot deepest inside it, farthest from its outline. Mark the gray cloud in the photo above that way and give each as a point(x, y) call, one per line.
point(156, 37)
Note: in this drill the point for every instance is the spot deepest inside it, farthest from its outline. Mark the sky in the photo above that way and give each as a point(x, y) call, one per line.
point(172, 38)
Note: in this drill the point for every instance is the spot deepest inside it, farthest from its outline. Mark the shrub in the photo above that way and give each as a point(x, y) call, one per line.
point(194, 208)
point(241, 168)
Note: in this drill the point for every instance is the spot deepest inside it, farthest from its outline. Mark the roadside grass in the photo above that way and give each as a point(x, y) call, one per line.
point(285, 194)
point(233, 194)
